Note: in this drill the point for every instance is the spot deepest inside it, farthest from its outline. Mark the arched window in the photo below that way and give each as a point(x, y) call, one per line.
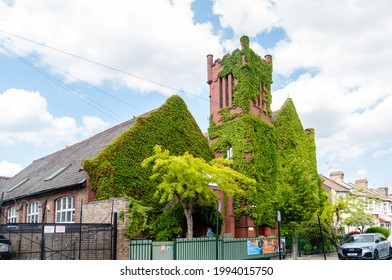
point(11, 215)
point(65, 210)
point(33, 212)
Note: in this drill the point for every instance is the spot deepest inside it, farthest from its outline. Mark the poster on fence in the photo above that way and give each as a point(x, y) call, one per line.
point(265, 246)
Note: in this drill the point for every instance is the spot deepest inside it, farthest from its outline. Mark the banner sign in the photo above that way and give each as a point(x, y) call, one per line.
point(265, 246)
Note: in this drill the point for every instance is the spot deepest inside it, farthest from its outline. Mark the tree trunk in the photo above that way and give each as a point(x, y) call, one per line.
point(189, 222)
point(188, 207)
point(295, 248)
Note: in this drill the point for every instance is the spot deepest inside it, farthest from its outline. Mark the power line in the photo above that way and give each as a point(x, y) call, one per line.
point(67, 74)
point(69, 89)
point(104, 65)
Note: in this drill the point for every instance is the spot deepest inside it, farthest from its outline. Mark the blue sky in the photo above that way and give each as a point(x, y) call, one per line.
point(70, 69)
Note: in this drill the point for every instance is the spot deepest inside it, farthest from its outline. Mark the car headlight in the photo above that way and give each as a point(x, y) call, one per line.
point(368, 247)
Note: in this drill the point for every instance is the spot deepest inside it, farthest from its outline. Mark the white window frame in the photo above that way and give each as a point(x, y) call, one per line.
point(33, 213)
point(229, 153)
point(12, 216)
point(65, 210)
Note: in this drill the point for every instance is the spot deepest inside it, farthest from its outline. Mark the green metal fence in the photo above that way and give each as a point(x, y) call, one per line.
point(198, 249)
point(206, 249)
point(140, 249)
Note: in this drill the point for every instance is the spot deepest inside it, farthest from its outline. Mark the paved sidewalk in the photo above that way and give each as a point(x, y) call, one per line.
point(328, 256)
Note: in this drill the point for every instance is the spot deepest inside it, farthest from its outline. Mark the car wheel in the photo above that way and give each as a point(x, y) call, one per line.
point(390, 253)
point(375, 255)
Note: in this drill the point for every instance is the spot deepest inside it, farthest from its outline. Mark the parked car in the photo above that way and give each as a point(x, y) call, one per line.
point(5, 248)
point(365, 246)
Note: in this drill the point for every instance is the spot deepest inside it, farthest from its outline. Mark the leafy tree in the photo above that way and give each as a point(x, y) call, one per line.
point(347, 210)
point(185, 179)
point(356, 214)
point(332, 213)
point(358, 217)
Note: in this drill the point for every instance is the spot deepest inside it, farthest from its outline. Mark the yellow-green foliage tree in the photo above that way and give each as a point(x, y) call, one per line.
point(186, 179)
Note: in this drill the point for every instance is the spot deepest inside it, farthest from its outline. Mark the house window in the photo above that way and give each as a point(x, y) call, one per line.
point(65, 210)
point(385, 208)
point(32, 213)
point(12, 217)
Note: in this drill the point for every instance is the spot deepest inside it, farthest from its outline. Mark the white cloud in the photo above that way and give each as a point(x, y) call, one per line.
point(348, 99)
point(246, 17)
point(9, 169)
point(160, 44)
point(25, 119)
point(92, 125)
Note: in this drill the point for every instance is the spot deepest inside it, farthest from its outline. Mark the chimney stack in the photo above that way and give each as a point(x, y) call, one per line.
point(362, 183)
point(383, 191)
point(337, 175)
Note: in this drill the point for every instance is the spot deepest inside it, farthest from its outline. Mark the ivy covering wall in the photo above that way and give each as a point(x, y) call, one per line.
point(116, 171)
point(298, 188)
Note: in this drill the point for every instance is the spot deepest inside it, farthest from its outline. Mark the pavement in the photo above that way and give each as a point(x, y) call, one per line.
point(328, 256)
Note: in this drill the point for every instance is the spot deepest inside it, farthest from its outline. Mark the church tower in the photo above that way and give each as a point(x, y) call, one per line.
point(240, 121)
point(271, 147)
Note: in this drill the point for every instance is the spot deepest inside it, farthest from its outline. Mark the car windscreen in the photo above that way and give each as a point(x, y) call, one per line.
point(360, 239)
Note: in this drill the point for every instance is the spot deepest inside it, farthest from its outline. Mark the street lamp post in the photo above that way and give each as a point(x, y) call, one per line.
point(279, 218)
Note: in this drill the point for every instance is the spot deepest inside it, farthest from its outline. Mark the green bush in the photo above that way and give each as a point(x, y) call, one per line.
point(379, 230)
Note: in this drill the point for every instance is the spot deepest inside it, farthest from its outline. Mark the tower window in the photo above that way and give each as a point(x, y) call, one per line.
point(229, 153)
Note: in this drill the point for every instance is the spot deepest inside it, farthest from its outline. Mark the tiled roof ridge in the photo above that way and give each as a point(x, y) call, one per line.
point(343, 185)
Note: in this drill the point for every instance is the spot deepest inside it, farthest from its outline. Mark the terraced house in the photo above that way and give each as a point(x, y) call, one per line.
point(377, 202)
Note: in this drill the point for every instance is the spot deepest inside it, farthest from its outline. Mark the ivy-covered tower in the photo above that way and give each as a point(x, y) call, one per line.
point(240, 120)
point(271, 147)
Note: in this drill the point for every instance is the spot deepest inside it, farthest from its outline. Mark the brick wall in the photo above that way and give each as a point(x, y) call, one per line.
point(101, 212)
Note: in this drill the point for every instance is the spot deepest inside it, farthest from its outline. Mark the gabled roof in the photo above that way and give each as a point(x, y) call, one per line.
point(334, 185)
point(61, 169)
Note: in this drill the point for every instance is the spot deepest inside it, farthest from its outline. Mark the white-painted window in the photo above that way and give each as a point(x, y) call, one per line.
point(65, 210)
point(11, 215)
point(229, 153)
point(33, 212)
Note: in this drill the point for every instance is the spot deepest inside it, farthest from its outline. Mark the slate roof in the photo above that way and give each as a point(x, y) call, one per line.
point(353, 189)
point(61, 169)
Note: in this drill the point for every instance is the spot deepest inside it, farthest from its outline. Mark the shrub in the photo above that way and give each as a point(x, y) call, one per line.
point(379, 230)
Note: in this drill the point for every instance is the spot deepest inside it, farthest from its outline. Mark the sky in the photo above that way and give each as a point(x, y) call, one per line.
point(70, 69)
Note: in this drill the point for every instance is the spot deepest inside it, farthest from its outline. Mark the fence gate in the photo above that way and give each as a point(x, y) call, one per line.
point(61, 241)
